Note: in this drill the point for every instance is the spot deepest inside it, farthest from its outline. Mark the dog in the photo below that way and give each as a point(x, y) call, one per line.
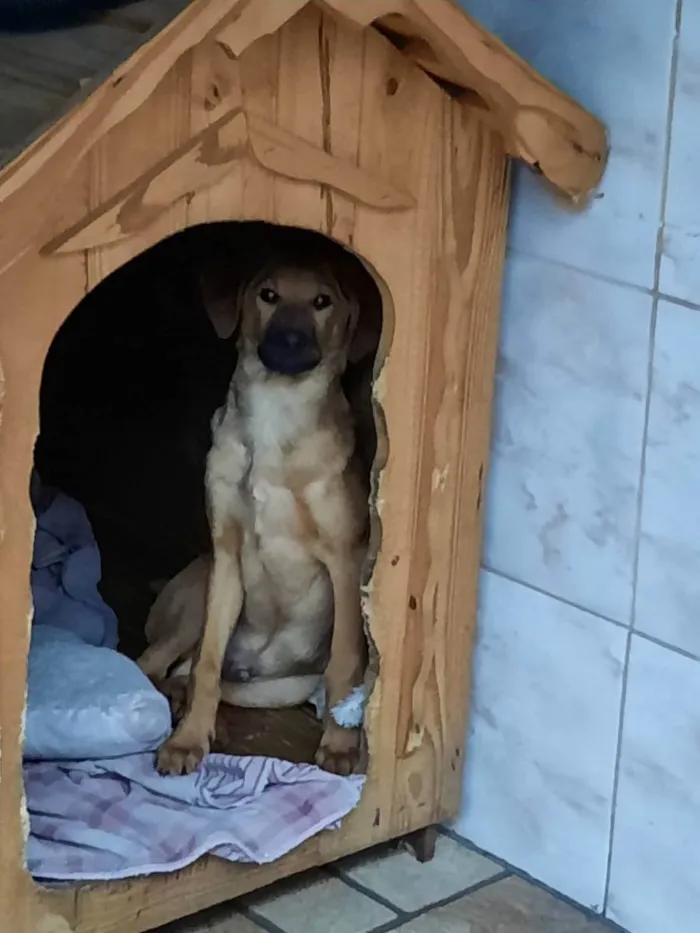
point(276, 608)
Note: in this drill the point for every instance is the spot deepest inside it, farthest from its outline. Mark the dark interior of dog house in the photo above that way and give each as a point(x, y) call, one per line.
point(130, 386)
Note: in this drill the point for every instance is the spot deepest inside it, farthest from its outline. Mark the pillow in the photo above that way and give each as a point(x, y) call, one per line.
point(86, 702)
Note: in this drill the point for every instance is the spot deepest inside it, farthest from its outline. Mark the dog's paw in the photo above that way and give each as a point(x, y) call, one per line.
point(179, 757)
point(339, 751)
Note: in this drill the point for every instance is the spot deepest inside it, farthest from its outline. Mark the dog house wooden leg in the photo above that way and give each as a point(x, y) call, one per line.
point(422, 843)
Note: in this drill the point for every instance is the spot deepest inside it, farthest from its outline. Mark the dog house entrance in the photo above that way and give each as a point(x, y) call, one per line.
point(130, 385)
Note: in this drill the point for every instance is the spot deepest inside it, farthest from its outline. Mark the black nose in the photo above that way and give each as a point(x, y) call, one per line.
point(287, 338)
point(289, 350)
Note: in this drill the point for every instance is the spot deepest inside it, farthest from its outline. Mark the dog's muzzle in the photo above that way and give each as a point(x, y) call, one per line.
point(289, 351)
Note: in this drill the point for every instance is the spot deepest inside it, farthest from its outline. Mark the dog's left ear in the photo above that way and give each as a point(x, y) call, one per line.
point(365, 337)
point(366, 309)
point(220, 290)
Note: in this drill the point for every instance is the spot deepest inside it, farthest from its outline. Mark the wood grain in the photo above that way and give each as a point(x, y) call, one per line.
point(540, 124)
point(356, 100)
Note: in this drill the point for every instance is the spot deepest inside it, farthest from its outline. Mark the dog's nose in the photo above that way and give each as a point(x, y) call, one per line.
point(287, 338)
point(289, 350)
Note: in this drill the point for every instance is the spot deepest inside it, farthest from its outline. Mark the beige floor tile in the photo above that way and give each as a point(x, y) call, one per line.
point(509, 906)
point(400, 879)
point(322, 905)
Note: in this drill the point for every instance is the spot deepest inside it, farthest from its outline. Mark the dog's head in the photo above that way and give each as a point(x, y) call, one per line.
point(296, 317)
point(291, 317)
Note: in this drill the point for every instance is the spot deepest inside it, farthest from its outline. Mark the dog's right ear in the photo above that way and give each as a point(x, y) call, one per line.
point(220, 290)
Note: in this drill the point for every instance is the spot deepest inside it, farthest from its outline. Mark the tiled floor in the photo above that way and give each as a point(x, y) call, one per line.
point(460, 891)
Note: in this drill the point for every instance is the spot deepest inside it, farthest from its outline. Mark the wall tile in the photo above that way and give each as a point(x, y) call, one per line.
point(668, 591)
point(617, 63)
point(541, 755)
point(680, 270)
point(655, 881)
point(568, 427)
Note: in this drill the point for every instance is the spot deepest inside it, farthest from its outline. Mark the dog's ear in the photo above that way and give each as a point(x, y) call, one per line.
point(365, 338)
point(360, 290)
point(367, 328)
point(221, 293)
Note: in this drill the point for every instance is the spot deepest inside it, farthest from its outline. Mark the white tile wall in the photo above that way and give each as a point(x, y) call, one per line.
point(680, 269)
point(543, 737)
point(595, 500)
point(614, 58)
point(654, 882)
point(668, 592)
point(569, 420)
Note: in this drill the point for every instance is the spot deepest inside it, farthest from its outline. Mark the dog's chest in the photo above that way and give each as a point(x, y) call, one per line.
point(251, 470)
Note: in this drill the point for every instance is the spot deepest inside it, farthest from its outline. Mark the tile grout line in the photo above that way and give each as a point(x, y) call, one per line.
point(361, 889)
point(645, 436)
point(513, 871)
point(673, 76)
point(515, 252)
point(683, 652)
point(673, 300)
point(259, 921)
point(404, 917)
point(554, 596)
point(655, 640)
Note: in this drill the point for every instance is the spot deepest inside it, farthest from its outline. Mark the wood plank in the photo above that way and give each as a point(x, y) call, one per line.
point(300, 111)
point(438, 265)
point(541, 124)
point(204, 160)
point(216, 88)
point(27, 188)
point(399, 248)
point(151, 135)
point(477, 194)
point(37, 296)
point(341, 61)
point(259, 81)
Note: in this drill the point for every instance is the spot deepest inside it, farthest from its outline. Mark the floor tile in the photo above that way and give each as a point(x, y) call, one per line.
point(568, 428)
point(668, 587)
point(320, 904)
point(617, 63)
point(538, 785)
point(218, 920)
point(654, 881)
point(509, 906)
point(680, 270)
point(400, 879)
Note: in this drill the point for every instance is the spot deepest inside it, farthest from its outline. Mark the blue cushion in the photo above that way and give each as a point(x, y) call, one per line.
point(88, 702)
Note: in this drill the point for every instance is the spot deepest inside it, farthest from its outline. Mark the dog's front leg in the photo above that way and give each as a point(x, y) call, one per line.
point(185, 749)
point(339, 750)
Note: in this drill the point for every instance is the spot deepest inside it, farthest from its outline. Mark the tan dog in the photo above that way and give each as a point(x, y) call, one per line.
point(278, 604)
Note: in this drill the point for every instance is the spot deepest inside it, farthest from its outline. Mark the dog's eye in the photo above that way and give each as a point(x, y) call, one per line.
point(321, 301)
point(269, 296)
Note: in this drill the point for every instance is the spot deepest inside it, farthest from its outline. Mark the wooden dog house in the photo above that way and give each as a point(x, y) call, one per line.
point(384, 124)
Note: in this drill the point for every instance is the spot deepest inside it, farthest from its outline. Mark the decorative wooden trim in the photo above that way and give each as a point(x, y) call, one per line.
point(541, 125)
point(204, 161)
point(201, 163)
point(289, 155)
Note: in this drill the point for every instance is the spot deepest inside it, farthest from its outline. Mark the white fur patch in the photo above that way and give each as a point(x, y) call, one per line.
point(349, 713)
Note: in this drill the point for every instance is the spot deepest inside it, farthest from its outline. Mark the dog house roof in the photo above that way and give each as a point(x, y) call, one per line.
point(61, 91)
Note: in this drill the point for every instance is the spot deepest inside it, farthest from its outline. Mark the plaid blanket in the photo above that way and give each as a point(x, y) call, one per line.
point(118, 818)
